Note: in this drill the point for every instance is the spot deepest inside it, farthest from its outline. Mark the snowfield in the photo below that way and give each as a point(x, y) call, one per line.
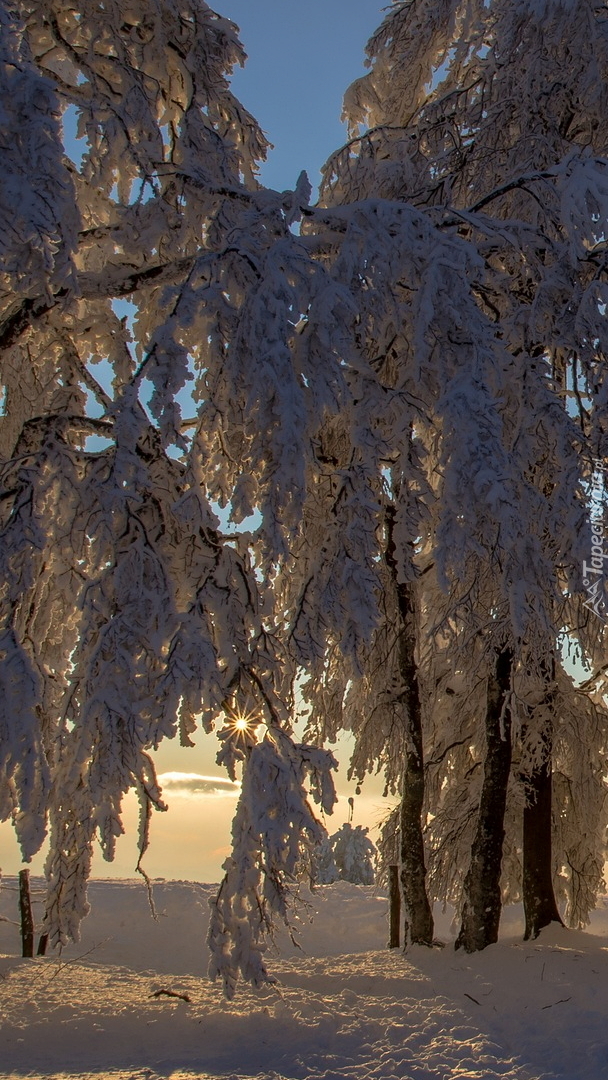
point(344, 1006)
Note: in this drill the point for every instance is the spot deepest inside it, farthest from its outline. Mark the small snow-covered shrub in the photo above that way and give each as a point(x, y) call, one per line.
point(348, 855)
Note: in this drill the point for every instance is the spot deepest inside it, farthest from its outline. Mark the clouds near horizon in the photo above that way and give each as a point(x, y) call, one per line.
point(193, 784)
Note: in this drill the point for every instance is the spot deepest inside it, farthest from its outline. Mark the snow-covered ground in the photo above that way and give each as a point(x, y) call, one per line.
point(344, 1007)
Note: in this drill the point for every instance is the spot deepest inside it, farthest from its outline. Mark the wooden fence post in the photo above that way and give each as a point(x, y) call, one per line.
point(25, 909)
point(394, 902)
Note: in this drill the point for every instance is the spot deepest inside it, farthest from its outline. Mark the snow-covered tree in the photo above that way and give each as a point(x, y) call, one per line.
point(405, 384)
point(128, 615)
point(477, 114)
point(346, 855)
point(354, 854)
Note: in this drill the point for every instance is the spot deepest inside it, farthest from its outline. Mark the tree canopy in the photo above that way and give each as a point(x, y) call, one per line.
point(398, 394)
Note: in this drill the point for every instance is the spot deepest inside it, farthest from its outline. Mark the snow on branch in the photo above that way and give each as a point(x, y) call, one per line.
point(272, 822)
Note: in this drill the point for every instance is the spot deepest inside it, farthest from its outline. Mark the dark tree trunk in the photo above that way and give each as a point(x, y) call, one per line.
point(394, 897)
point(540, 907)
point(483, 901)
point(418, 916)
point(25, 910)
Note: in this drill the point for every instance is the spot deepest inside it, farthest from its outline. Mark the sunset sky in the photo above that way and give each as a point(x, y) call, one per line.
point(293, 83)
point(192, 839)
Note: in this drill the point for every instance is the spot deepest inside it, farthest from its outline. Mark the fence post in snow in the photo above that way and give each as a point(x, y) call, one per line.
point(25, 910)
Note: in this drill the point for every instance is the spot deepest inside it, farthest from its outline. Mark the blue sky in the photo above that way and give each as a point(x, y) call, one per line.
point(302, 57)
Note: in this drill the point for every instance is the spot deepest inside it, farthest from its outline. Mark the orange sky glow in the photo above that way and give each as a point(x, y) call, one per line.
point(191, 840)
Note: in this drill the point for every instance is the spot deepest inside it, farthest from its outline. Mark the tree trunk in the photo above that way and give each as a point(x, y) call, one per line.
point(394, 897)
point(540, 907)
point(25, 910)
point(418, 925)
point(418, 917)
point(483, 901)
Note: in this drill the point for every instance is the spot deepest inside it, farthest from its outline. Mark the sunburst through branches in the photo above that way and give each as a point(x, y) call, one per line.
point(243, 724)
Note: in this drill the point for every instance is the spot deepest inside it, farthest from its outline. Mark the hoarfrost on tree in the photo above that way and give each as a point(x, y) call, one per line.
point(409, 392)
